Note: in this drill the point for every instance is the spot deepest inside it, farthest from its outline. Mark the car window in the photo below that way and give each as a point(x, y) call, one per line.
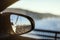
point(46, 14)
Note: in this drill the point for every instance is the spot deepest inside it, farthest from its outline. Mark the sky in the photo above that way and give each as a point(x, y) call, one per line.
point(40, 6)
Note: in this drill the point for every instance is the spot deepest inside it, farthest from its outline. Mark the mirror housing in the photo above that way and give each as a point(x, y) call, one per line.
point(30, 20)
point(5, 3)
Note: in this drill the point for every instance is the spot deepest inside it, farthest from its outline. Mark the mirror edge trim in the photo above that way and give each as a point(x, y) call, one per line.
point(28, 17)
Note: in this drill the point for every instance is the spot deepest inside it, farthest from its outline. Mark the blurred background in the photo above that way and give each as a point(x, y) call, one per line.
point(46, 14)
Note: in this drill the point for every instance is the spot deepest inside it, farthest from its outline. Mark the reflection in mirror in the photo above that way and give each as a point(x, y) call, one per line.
point(20, 24)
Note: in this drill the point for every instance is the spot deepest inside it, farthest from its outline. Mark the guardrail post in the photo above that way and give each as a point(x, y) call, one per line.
point(55, 36)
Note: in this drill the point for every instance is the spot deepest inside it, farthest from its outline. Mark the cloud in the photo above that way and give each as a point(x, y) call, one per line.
point(44, 6)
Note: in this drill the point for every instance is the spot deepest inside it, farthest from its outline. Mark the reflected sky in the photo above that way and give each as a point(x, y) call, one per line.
point(21, 20)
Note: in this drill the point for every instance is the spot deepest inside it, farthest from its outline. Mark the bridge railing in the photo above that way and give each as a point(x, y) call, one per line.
point(48, 31)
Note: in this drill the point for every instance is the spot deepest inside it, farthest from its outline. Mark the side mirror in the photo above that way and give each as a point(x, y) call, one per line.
point(21, 24)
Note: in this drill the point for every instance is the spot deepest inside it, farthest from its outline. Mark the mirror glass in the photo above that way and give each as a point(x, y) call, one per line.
point(20, 24)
